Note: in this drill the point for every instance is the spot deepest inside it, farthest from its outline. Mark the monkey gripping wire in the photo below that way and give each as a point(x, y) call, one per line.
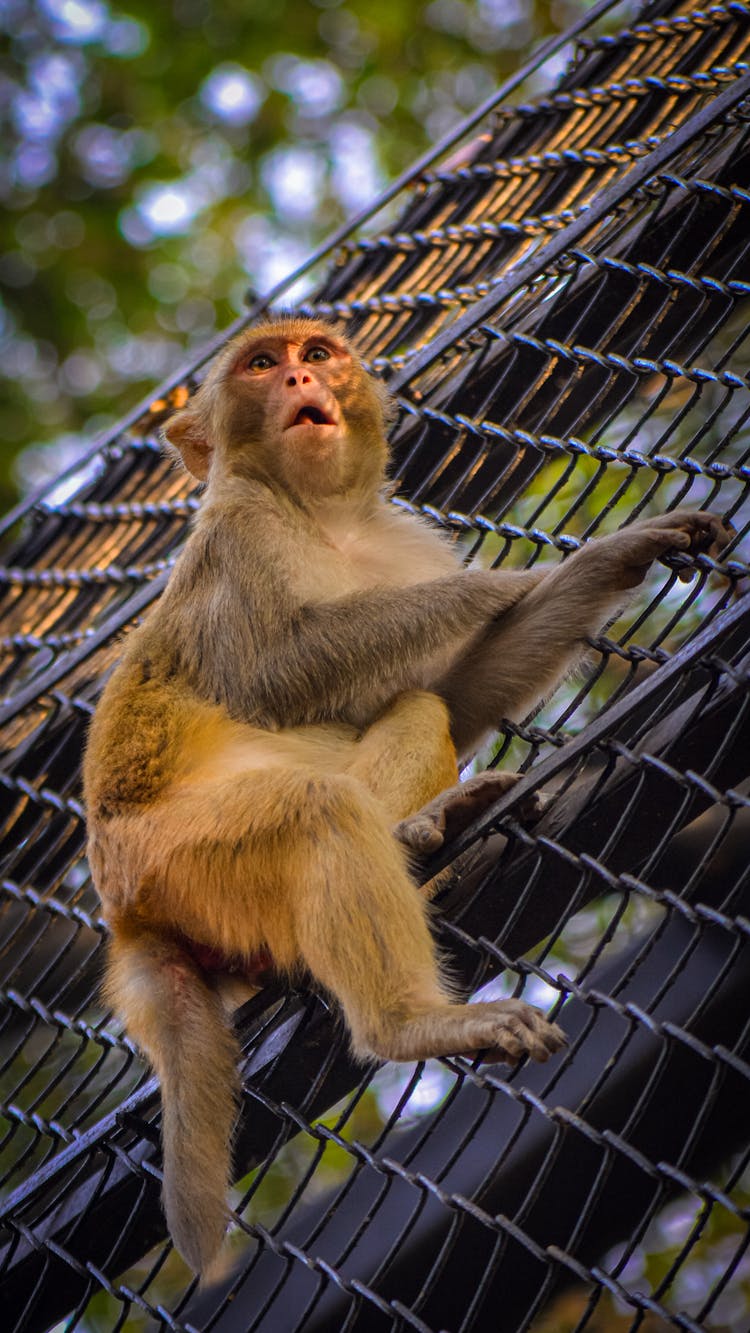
point(561, 312)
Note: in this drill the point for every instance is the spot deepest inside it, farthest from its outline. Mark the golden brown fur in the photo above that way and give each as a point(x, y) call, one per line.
point(302, 687)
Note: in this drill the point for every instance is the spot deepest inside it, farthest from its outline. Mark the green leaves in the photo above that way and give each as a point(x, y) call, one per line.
point(158, 160)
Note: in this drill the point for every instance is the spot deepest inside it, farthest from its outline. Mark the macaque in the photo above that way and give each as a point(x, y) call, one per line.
point(279, 738)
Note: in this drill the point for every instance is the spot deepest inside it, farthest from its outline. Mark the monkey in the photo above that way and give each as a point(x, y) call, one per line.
point(281, 740)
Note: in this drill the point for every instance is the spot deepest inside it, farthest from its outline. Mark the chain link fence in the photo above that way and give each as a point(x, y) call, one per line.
point(558, 300)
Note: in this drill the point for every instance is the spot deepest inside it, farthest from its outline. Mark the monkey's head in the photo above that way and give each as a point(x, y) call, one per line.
point(288, 403)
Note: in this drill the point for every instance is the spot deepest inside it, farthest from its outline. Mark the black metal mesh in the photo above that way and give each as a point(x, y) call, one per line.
point(562, 312)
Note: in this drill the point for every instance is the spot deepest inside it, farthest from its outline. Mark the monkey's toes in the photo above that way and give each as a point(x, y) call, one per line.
point(521, 1030)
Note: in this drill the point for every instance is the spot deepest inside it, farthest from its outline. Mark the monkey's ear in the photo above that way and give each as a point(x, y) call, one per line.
point(185, 434)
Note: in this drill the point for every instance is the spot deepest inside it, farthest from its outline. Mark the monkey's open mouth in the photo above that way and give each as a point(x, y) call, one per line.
point(312, 416)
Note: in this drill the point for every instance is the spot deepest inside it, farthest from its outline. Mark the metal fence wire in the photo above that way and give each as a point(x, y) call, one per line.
point(561, 309)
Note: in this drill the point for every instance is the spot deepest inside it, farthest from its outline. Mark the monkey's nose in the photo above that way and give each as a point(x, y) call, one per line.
point(301, 378)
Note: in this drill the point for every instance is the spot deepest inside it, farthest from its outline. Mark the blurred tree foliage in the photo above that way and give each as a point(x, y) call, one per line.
point(159, 159)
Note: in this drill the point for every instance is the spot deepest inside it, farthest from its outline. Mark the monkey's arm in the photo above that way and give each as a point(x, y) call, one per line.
point(374, 643)
point(245, 635)
point(521, 658)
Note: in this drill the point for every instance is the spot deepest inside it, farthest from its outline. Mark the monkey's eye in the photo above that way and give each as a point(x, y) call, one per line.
point(317, 354)
point(262, 361)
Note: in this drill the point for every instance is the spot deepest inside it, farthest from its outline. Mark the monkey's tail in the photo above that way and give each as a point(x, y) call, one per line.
point(179, 1022)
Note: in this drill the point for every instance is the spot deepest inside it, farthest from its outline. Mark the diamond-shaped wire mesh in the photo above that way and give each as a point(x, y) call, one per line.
point(561, 309)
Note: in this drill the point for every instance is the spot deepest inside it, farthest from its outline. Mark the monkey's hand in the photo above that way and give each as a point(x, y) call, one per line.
point(514, 1029)
point(457, 807)
point(628, 553)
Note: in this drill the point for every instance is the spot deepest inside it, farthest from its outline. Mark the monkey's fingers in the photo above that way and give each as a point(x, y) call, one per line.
point(687, 532)
point(457, 807)
point(707, 535)
point(704, 530)
point(533, 807)
point(421, 833)
point(690, 532)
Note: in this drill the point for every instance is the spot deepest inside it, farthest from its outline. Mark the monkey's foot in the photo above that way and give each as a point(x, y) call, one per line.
point(504, 1030)
point(457, 807)
point(523, 1030)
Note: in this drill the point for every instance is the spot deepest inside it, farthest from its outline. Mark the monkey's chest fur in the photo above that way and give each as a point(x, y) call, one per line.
point(160, 728)
point(391, 548)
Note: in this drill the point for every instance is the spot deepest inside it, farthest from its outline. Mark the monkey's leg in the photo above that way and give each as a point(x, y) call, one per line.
point(363, 933)
point(533, 645)
point(407, 756)
point(306, 866)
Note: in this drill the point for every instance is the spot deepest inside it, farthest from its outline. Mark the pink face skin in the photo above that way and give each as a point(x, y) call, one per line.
point(294, 377)
point(297, 382)
point(287, 404)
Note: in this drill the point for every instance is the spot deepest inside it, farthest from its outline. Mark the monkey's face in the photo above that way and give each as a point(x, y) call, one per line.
point(289, 403)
